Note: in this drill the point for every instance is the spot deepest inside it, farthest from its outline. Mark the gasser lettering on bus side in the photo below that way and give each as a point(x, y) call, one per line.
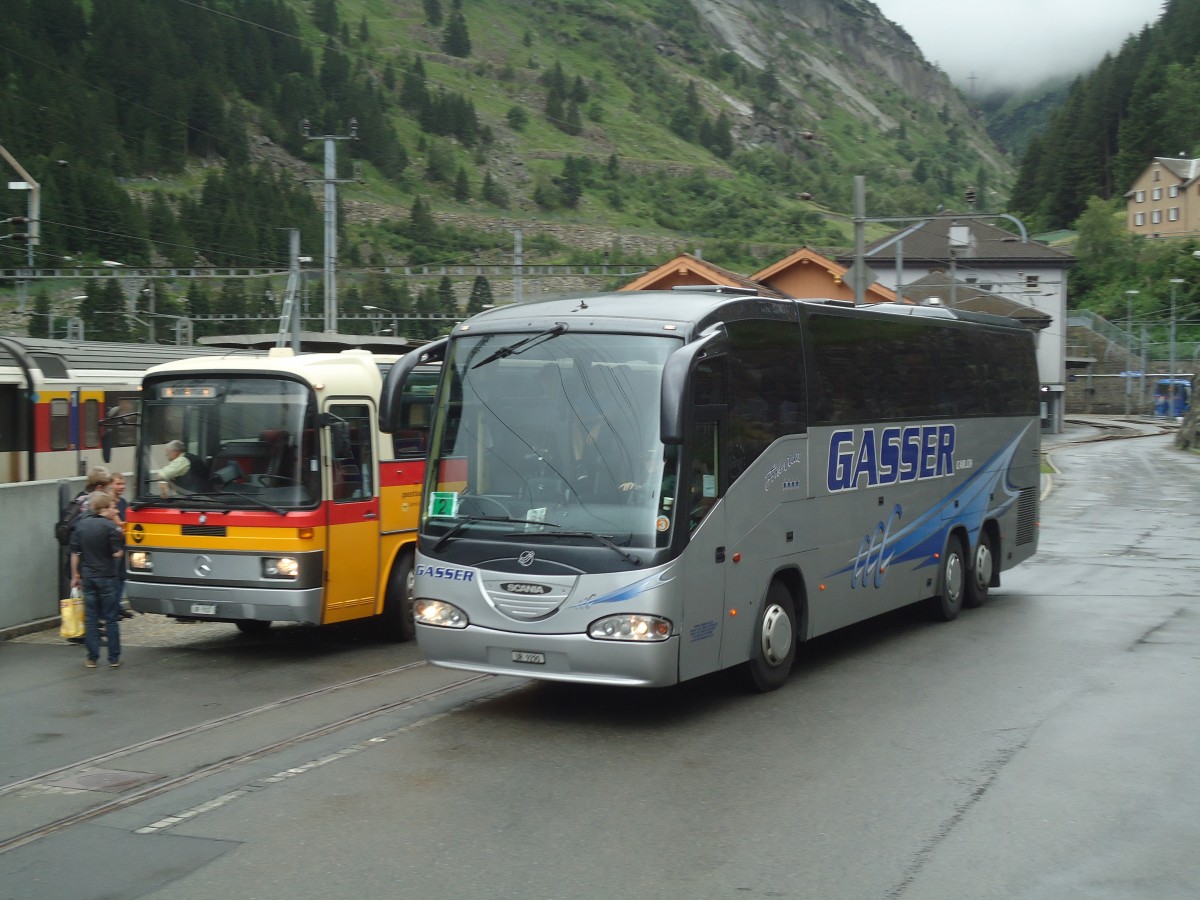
point(895, 454)
point(450, 573)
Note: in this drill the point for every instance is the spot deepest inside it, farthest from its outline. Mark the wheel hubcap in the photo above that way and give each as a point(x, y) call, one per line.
point(954, 577)
point(776, 635)
point(983, 566)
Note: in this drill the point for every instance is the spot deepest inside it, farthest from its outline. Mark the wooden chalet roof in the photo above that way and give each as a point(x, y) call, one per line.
point(686, 269)
point(830, 272)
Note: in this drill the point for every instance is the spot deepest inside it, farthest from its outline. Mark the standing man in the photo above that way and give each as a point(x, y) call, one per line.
point(117, 489)
point(97, 547)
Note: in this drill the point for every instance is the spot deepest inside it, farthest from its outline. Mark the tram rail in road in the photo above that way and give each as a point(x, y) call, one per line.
point(160, 765)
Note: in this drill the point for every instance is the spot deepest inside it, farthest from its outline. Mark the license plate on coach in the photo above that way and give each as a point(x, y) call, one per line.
point(204, 609)
point(525, 656)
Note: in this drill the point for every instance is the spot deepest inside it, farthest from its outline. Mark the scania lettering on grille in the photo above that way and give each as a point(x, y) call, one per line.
point(450, 573)
point(519, 587)
point(891, 455)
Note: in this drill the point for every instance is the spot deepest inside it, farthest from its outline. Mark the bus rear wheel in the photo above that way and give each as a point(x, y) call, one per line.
point(983, 561)
point(396, 620)
point(948, 603)
point(774, 649)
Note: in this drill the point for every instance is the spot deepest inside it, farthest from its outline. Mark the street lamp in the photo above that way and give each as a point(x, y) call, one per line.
point(1171, 372)
point(395, 330)
point(1129, 295)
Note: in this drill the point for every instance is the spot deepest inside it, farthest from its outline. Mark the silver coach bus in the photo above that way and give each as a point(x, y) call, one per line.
point(639, 488)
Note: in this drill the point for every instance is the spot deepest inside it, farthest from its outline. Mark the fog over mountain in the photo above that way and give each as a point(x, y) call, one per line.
point(1018, 43)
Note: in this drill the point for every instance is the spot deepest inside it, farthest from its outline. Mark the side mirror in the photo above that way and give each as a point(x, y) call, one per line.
point(106, 443)
point(677, 378)
point(393, 385)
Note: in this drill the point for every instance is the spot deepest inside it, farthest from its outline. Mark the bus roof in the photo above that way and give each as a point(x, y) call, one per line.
point(682, 308)
point(350, 371)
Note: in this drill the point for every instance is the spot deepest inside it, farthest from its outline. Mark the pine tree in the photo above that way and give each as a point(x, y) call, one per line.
point(572, 121)
point(462, 186)
point(493, 192)
point(414, 95)
point(447, 303)
point(433, 12)
point(421, 223)
point(554, 107)
point(325, 15)
point(41, 322)
point(571, 183)
point(455, 40)
point(481, 295)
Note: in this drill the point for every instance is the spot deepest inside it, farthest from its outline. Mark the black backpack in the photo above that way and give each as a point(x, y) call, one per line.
point(66, 522)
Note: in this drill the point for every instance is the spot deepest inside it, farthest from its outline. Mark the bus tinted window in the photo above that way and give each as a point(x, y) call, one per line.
point(877, 369)
point(766, 390)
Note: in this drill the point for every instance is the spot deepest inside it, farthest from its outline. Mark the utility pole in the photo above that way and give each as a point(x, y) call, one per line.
point(1129, 295)
point(35, 215)
point(1171, 372)
point(289, 316)
point(858, 272)
point(517, 262)
point(331, 181)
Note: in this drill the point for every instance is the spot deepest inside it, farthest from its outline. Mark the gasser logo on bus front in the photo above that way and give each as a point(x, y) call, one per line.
point(892, 455)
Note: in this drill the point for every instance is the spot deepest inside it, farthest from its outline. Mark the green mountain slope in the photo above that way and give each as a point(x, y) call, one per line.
point(171, 131)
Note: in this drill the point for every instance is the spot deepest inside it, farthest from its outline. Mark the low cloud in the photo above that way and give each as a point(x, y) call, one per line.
point(1018, 43)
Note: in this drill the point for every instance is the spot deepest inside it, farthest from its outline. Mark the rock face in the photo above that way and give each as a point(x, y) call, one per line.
point(840, 49)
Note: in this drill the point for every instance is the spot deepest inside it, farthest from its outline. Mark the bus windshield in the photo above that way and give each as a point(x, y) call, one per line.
point(240, 442)
point(552, 436)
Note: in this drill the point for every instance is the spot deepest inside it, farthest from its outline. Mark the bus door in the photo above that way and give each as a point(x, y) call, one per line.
point(704, 560)
point(352, 545)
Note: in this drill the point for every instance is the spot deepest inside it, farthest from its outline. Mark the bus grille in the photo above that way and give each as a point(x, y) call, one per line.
point(204, 530)
point(526, 609)
point(1027, 505)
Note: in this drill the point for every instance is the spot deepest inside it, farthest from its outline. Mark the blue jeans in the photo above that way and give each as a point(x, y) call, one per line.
point(101, 601)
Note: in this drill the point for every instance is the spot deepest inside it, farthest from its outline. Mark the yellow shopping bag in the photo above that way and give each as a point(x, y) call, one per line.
point(72, 615)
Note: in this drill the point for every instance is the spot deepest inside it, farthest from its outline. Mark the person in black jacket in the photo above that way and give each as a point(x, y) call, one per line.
point(97, 548)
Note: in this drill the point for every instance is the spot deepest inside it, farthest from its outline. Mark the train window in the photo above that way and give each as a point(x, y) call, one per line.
point(10, 431)
point(91, 423)
point(60, 425)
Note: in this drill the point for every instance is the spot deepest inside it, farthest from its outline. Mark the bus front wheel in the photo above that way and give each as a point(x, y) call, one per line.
point(983, 561)
point(397, 616)
point(947, 604)
point(774, 649)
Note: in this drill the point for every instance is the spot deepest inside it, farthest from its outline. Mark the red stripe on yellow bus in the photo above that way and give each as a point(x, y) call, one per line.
point(402, 472)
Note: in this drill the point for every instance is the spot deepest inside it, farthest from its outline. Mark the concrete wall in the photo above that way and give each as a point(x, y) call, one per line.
point(29, 554)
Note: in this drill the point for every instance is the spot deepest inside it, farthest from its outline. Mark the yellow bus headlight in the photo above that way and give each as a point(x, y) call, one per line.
point(139, 561)
point(287, 567)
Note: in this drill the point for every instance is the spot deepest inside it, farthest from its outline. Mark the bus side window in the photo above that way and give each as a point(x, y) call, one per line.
point(704, 480)
point(353, 465)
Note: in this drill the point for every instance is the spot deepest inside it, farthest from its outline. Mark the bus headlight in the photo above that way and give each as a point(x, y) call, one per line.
point(139, 561)
point(630, 627)
point(438, 612)
point(280, 567)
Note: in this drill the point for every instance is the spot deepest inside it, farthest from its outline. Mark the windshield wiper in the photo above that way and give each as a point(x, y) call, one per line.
point(213, 495)
point(472, 520)
point(511, 349)
point(603, 539)
point(155, 501)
